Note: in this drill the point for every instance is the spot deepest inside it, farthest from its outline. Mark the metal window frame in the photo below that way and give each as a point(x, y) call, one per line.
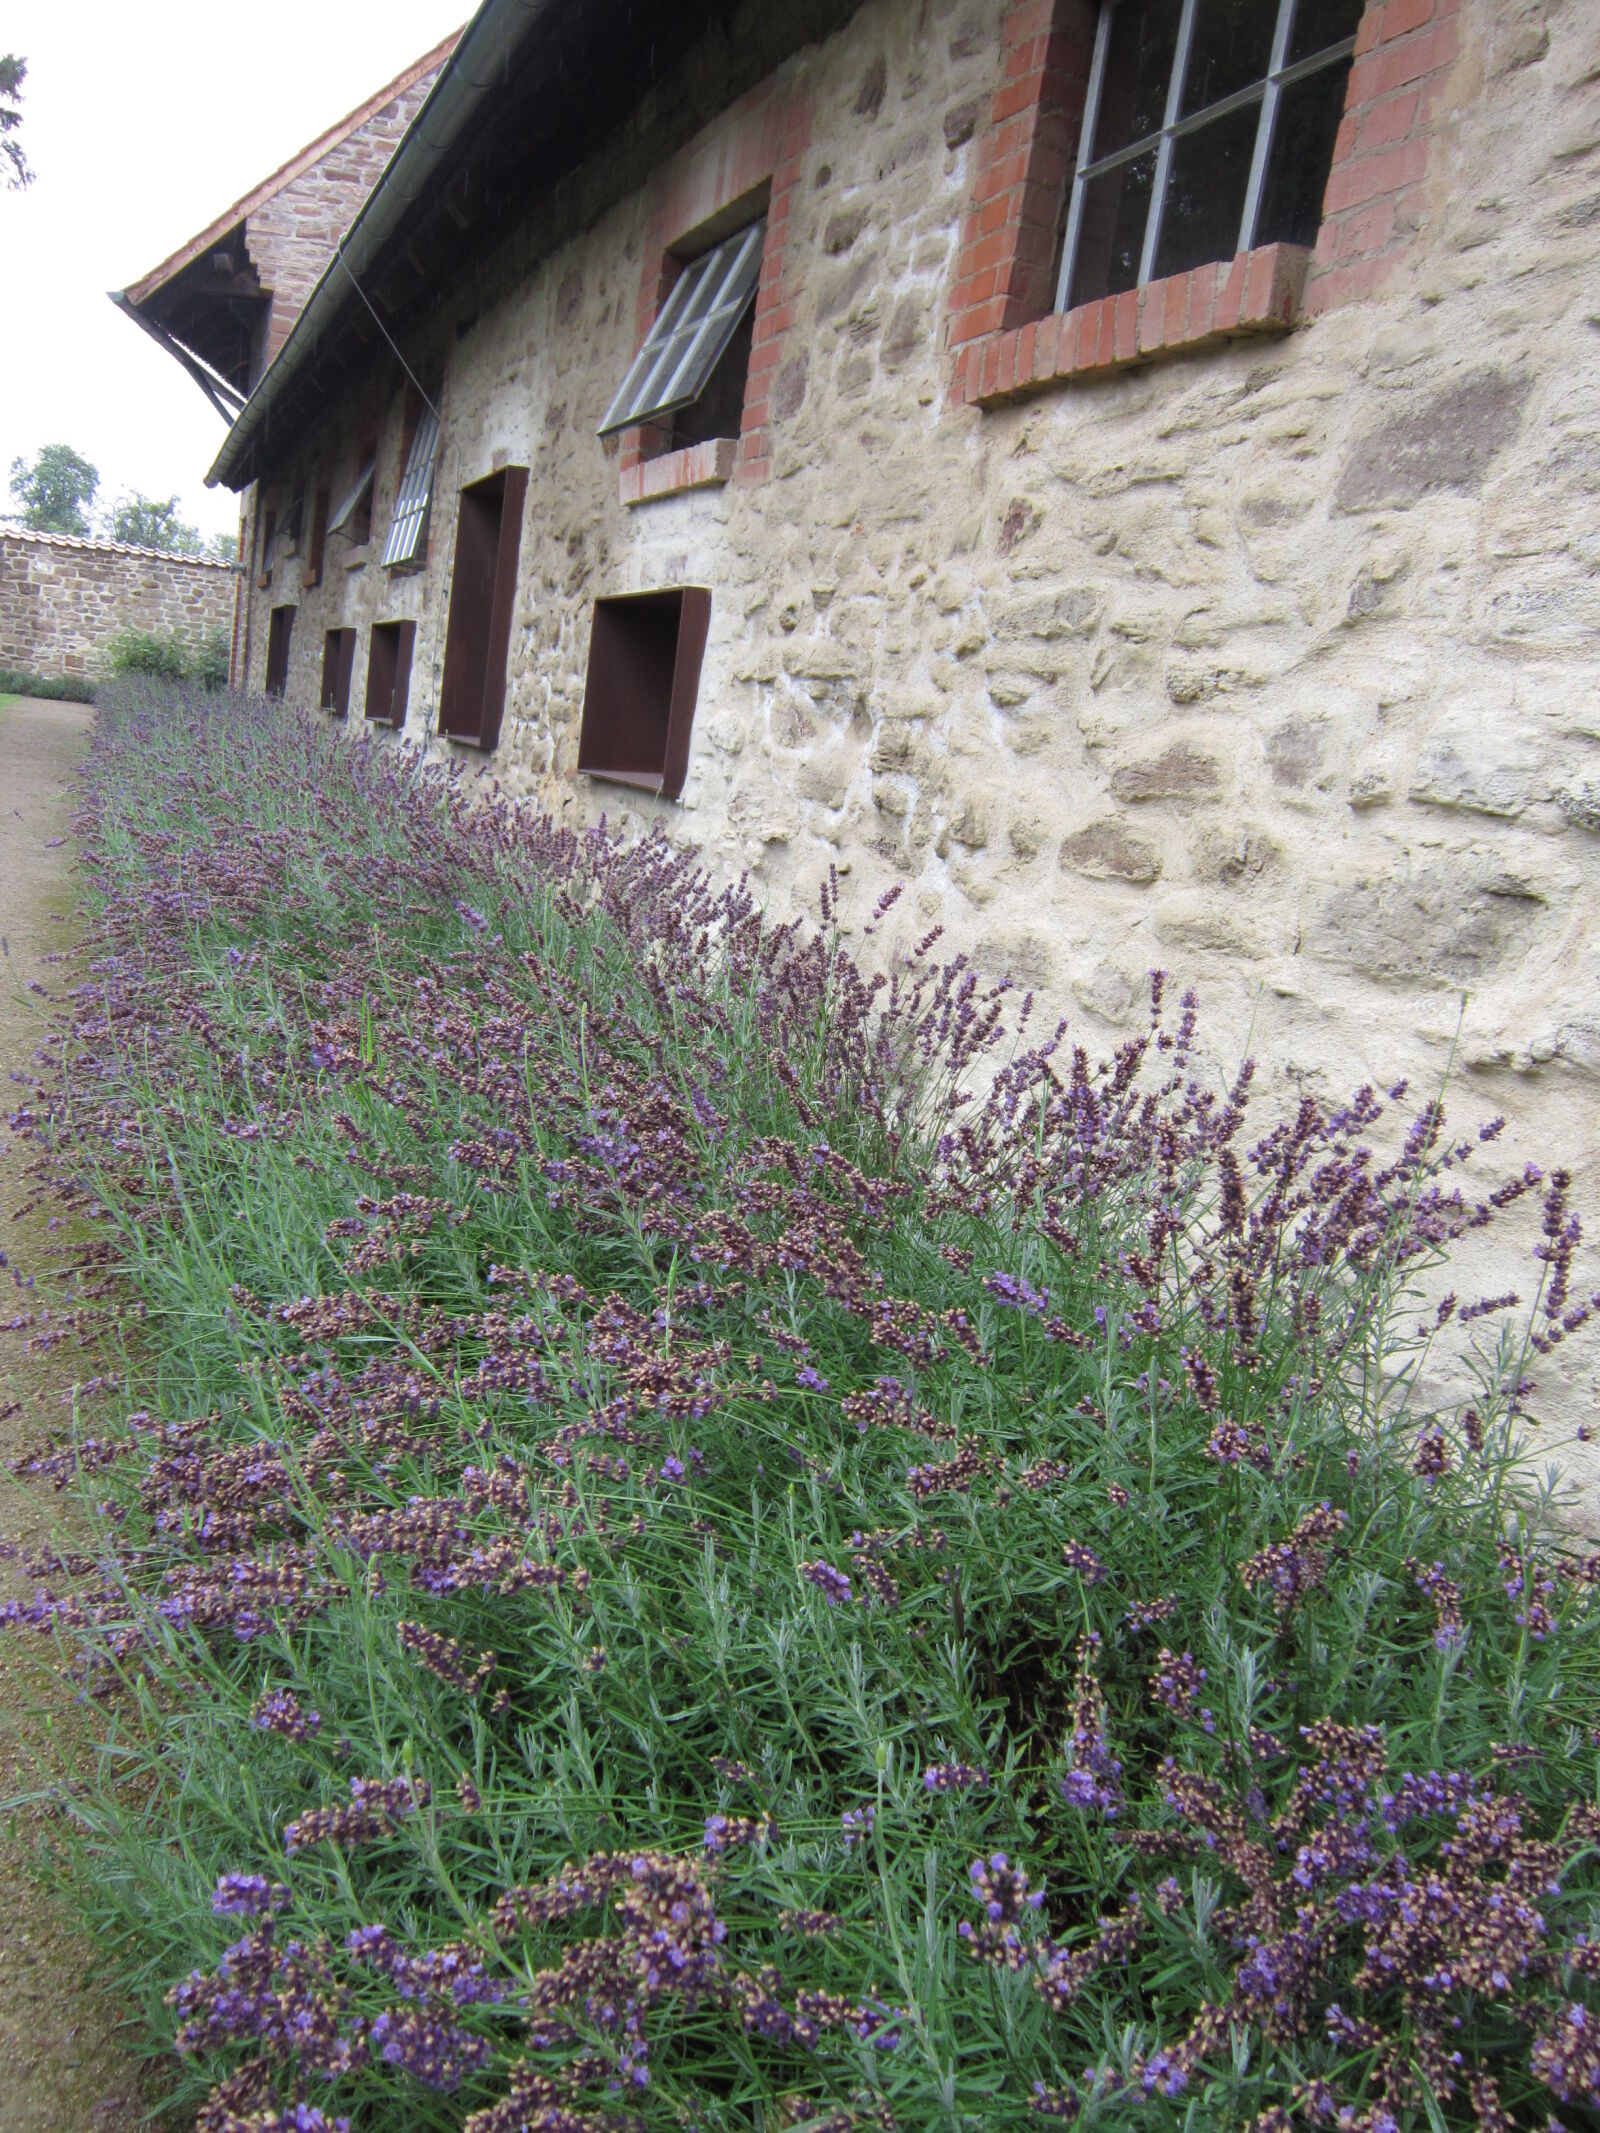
point(1268, 91)
point(700, 317)
point(414, 495)
point(350, 502)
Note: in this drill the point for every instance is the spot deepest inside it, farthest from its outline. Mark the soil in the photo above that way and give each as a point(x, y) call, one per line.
point(64, 2068)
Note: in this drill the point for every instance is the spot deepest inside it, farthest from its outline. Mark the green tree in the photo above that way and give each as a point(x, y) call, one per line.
point(224, 547)
point(148, 522)
point(13, 73)
point(56, 489)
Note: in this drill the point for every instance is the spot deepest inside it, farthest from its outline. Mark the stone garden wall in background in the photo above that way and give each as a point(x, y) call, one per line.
point(62, 599)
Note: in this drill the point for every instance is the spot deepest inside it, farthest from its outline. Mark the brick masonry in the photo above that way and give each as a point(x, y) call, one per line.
point(291, 236)
point(753, 151)
point(293, 220)
point(1271, 660)
point(62, 600)
point(1000, 322)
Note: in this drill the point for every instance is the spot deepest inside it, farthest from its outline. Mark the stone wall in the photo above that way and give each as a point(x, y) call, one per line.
point(62, 600)
point(1272, 662)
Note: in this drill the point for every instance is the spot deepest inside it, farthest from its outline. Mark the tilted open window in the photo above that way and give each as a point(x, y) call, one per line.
point(707, 306)
point(338, 658)
point(1208, 129)
point(483, 590)
point(319, 541)
point(645, 654)
point(407, 544)
point(389, 671)
point(279, 632)
point(353, 512)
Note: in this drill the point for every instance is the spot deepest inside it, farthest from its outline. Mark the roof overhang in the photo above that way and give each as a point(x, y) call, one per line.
point(140, 292)
point(205, 304)
point(225, 398)
point(530, 89)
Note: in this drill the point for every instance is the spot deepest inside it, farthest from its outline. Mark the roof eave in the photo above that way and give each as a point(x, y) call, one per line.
point(473, 70)
point(225, 398)
point(141, 291)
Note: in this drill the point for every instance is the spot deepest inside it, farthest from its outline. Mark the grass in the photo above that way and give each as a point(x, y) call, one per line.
point(74, 689)
point(704, 1578)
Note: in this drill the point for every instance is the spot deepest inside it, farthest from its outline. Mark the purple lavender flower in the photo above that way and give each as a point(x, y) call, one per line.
point(1012, 1289)
point(280, 1711)
point(812, 1380)
point(726, 1833)
point(833, 1585)
point(434, 2051)
point(856, 1822)
point(1566, 2057)
point(1006, 1899)
point(248, 1896)
point(1176, 1682)
point(1093, 1773)
point(954, 1777)
point(1084, 1561)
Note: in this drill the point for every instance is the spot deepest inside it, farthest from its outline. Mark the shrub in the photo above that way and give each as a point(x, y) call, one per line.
point(64, 688)
point(149, 656)
point(664, 1563)
point(146, 652)
point(210, 663)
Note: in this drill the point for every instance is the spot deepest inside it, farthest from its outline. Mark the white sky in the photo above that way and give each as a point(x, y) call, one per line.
point(142, 120)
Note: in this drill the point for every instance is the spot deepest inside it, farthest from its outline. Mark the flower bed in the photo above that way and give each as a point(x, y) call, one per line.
point(658, 1568)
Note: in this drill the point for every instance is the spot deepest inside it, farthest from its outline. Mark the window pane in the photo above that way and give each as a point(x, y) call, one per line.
point(1116, 206)
point(1209, 178)
point(1309, 113)
point(703, 277)
point(719, 411)
point(1232, 48)
point(1319, 23)
point(704, 310)
point(1133, 96)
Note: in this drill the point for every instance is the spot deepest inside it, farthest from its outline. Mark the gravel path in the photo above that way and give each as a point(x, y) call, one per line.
point(61, 2068)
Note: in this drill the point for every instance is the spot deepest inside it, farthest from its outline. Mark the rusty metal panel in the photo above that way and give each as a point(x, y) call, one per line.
point(280, 630)
point(389, 671)
point(482, 596)
point(338, 659)
point(645, 655)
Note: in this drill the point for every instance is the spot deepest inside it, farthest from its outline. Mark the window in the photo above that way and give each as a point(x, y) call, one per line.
point(338, 657)
point(482, 593)
point(353, 515)
point(407, 547)
point(645, 653)
point(719, 411)
point(319, 541)
point(389, 671)
point(268, 546)
point(708, 307)
point(279, 631)
point(1208, 129)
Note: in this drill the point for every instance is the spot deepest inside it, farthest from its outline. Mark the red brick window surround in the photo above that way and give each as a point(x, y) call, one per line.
point(746, 163)
point(1007, 339)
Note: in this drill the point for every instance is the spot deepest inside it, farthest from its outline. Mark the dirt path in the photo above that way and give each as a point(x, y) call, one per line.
point(61, 2068)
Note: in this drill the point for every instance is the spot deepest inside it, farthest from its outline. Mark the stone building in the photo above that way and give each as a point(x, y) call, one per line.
point(1141, 488)
point(62, 599)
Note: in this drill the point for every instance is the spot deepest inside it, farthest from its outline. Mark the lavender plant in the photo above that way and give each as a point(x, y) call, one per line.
point(690, 1538)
